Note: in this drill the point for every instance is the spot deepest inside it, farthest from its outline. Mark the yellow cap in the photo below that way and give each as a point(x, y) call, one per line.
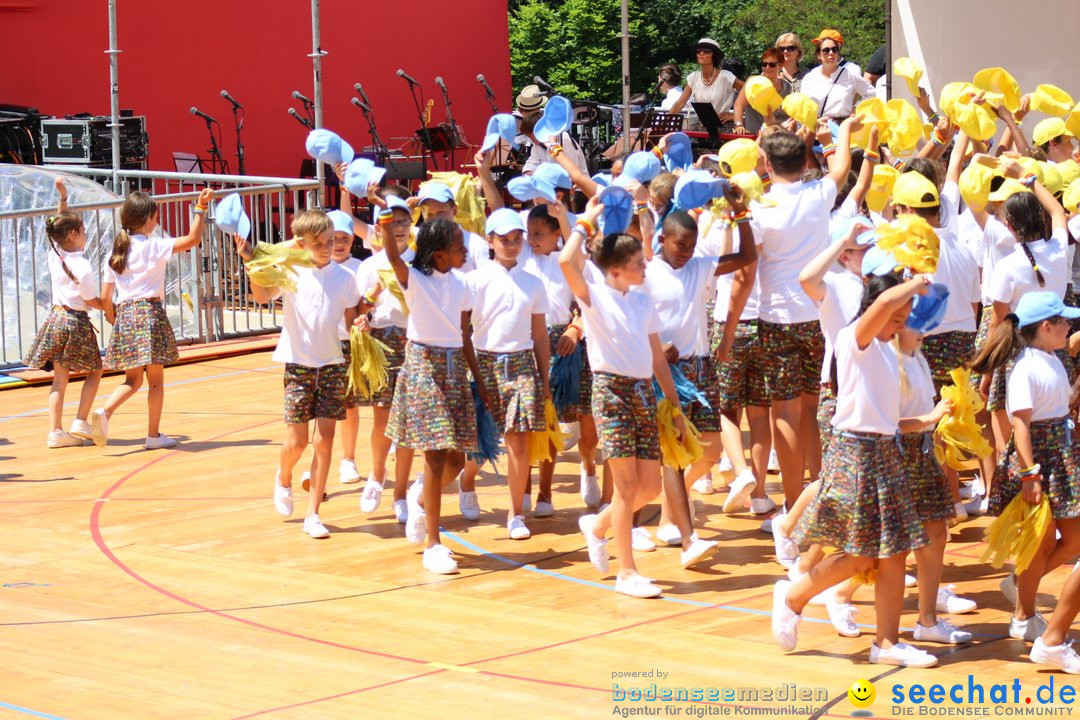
point(910, 70)
point(1052, 100)
point(1008, 188)
point(737, 156)
point(953, 92)
point(914, 190)
point(977, 120)
point(998, 80)
point(801, 107)
point(1051, 178)
point(1031, 165)
point(753, 189)
point(877, 196)
point(905, 126)
point(1069, 170)
point(1049, 129)
point(1072, 122)
point(1071, 198)
point(874, 111)
point(975, 185)
point(762, 95)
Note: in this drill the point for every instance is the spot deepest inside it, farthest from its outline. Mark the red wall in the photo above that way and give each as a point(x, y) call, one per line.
point(176, 55)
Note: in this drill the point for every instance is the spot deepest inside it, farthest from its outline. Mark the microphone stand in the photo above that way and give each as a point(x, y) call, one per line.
point(381, 150)
point(643, 131)
point(238, 118)
point(217, 163)
point(453, 125)
point(425, 135)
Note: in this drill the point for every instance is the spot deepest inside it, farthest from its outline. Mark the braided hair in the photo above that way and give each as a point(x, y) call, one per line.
point(1029, 222)
point(58, 228)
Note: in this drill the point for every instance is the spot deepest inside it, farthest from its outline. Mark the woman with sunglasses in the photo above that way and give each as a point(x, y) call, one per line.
point(834, 83)
point(791, 71)
point(710, 84)
point(747, 119)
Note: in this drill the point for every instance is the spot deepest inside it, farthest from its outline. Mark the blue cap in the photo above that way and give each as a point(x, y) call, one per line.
point(696, 188)
point(618, 209)
point(342, 221)
point(641, 166)
point(555, 120)
point(229, 215)
point(393, 202)
point(526, 188)
point(360, 173)
point(553, 173)
point(602, 179)
point(842, 227)
point(503, 222)
point(436, 191)
point(502, 126)
point(679, 156)
point(328, 147)
point(929, 309)
point(878, 262)
point(1038, 306)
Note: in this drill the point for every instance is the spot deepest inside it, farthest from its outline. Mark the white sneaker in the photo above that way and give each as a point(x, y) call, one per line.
point(99, 427)
point(978, 505)
point(787, 550)
point(469, 505)
point(978, 487)
point(760, 506)
point(416, 525)
point(699, 550)
point(774, 462)
point(739, 491)
point(438, 559)
point(944, 632)
point(641, 540)
point(543, 509)
point(637, 586)
point(704, 485)
point(1029, 629)
point(160, 442)
point(570, 432)
point(372, 495)
point(590, 489)
point(82, 429)
point(842, 616)
point(1060, 656)
point(61, 439)
point(766, 526)
point(282, 497)
point(822, 598)
point(401, 510)
point(785, 623)
point(516, 528)
point(669, 535)
point(910, 581)
point(961, 513)
point(902, 654)
point(1008, 589)
point(724, 466)
point(349, 475)
point(966, 492)
point(526, 503)
point(950, 602)
point(314, 528)
point(598, 552)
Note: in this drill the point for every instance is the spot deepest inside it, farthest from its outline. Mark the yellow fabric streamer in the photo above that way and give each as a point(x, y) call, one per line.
point(273, 265)
point(1017, 533)
point(912, 242)
point(958, 432)
point(540, 442)
point(367, 366)
point(470, 206)
point(675, 454)
point(390, 283)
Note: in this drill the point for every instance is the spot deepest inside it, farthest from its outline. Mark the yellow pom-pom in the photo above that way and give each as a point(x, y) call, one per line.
point(957, 431)
point(912, 241)
point(1017, 533)
point(389, 281)
point(274, 265)
point(367, 364)
point(541, 443)
point(673, 453)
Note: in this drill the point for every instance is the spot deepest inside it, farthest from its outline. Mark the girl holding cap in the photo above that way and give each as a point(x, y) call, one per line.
point(834, 83)
point(1042, 457)
point(710, 84)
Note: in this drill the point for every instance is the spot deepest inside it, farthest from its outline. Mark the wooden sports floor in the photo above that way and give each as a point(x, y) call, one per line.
point(162, 584)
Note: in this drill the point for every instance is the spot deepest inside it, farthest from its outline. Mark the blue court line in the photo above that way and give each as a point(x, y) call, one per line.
point(28, 711)
point(75, 403)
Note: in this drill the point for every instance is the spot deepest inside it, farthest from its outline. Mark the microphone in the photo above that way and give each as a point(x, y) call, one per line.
point(225, 94)
point(487, 88)
point(543, 84)
point(363, 95)
point(361, 104)
point(299, 118)
point(204, 116)
point(302, 98)
point(406, 77)
point(440, 83)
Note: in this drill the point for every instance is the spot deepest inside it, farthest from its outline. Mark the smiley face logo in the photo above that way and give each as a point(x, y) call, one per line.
point(861, 693)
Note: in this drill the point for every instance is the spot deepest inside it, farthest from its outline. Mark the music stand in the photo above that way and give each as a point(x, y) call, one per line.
point(707, 115)
point(663, 123)
point(187, 163)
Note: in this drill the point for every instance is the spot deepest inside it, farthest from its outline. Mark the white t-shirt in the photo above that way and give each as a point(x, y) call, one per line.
point(477, 251)
point(918, 398)
point(387, 311)
point(671, 97)
point(1074, 230)
point(949, 209)
point(843, 295)
point(618, 326)
point(790, 235)
point(679, 299)
point(352, 265)
point(559, 297)
point(868, 386)
point(436, 302)
point(1013, 275)
point(311, 315)
point(959, 272)
point(144, 276)
point(837, 92)
point(65, 291)
point(970, 235)
point(712, 244)
point(1038, 382)
point(720, 93)
point(571, 148)
point(997, 243)
point(504, 302)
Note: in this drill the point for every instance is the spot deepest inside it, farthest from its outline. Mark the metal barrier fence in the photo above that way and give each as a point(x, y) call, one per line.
point(206, 294)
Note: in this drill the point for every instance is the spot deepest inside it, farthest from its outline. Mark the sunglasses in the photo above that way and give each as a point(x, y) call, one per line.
point(829, 50)
point(788, 48)
point(770, 64)
point(707, 51)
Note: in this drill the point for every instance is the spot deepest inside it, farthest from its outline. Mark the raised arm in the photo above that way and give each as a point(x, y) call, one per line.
point(871, 322)
point(572, 260)
point(747, 253)
point(956, 160)
point(393, 254)
point(62, 189)
point(812, 277)
point(840, 162)
point(866, 172)
point(196, 231)
point(491, 192)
